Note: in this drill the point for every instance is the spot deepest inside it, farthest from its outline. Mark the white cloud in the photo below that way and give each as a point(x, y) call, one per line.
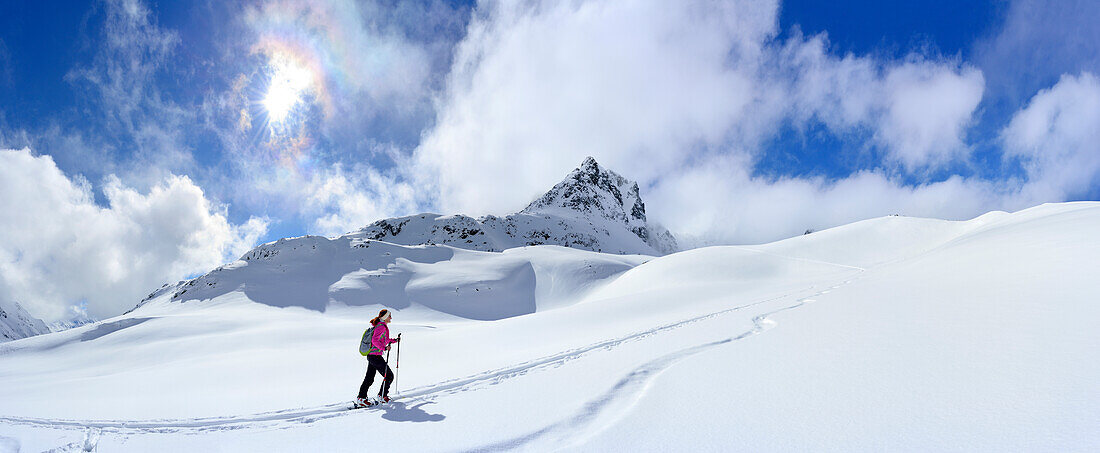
point(62, 248)
point(842, 93)
point(718, 201)
point(345, 200)
point(928, 107)
point(1057, 138)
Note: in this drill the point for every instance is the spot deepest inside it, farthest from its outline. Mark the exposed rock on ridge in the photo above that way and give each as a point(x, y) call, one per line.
point(592, 208)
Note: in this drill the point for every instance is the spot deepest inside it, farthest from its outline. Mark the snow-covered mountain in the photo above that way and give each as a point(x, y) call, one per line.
point(424, 260)
point(593, 208)
point(353, 270)
point(77, 317)
point(16, 323)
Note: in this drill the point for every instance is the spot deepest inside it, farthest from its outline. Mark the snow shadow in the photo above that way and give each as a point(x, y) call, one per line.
point(42, 343)
point(398, 411)
point(111, 327)
point(309, 271)
point(506, 296)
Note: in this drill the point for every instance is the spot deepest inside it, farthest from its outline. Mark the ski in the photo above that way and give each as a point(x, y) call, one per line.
point(373, 403)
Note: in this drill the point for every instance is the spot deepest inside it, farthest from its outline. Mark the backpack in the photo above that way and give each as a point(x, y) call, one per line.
point(365, 345)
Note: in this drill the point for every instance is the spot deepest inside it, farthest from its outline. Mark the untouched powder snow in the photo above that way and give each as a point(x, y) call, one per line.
point(985, 343)
point(884, 335)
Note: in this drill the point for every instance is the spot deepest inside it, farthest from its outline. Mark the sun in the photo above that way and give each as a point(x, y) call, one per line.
point(289, 80)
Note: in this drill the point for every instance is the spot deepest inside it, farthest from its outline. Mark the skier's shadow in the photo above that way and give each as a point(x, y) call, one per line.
point(398, 411)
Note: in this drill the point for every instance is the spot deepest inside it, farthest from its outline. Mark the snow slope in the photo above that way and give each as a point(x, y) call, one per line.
point(886, 335)
point(986, 342)
point(877, 241)
point(16, 323)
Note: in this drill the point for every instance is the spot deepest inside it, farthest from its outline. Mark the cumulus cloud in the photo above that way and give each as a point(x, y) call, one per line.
point(718, 201)
point(1056, 137)
point(61, 248)
point(928, 107)
point(344, 200)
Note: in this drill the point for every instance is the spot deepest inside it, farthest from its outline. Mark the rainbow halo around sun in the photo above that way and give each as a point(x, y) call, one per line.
point(289, 81)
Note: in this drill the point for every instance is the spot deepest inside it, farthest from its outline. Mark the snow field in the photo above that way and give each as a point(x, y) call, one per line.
point(892, 334)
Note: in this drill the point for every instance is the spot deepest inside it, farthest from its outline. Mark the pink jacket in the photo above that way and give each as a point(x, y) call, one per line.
point(381, 339)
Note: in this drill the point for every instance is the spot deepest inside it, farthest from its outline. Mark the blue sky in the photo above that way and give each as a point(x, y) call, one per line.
point(207, 127)
point(866, 26)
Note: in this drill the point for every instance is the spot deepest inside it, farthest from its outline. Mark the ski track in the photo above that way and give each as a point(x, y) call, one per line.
point(609, 406)
point(616, 402)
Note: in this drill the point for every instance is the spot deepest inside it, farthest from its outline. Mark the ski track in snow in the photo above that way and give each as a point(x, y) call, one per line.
point(616, 402)
point(606, 408)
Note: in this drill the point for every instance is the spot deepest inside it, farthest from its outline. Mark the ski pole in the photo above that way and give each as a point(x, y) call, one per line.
point(397, 372)
point(386, 375)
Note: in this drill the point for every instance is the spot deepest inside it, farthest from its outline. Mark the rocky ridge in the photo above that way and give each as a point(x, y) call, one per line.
point(593, 208)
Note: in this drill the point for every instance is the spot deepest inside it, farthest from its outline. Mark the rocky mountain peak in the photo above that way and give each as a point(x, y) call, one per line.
point(596, 193)
point(592, 208)
point(591, 189)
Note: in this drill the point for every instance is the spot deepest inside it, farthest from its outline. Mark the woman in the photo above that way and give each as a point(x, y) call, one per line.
point(379, 342)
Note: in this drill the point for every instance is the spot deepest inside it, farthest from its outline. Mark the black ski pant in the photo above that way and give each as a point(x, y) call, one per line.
point(375, 363)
